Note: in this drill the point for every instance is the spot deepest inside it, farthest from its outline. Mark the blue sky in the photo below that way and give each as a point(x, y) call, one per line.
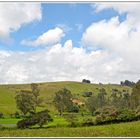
point(58, 14)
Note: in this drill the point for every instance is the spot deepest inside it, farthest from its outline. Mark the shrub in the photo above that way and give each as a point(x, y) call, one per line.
point(15, 115)
point(1, 115)
point(39, 118)
point(112, 116)
point(126, 115)
point(74, 108)
point(87, 94)
point(72, 119)
point(88, 122)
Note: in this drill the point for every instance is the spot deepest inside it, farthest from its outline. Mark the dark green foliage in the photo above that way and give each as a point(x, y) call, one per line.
point(87, 94)
point(39, 118)
point(74, 108)
point(1, 115)
point(85, 81)
point(127, 83)
point(62, 100)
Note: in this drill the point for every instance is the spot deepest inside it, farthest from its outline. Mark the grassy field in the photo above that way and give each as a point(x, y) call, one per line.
point(130, 129)
point(47, 90)
point(60, 127)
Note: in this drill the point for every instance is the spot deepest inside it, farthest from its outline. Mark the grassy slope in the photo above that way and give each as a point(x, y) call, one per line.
point(47, 90)
point(130, 129)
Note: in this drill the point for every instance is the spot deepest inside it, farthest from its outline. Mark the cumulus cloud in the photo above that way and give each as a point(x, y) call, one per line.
point(14, 15)
point(121, 39)
point(50, 37)
point(56, 64)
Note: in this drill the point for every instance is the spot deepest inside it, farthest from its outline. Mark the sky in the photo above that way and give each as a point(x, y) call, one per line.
point(46, 42)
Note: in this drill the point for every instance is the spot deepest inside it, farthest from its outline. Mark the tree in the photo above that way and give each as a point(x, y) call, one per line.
point(135, 96)
point(28, 100)
point(85, 81)
point(116, 98)
point(36, 99)
point(24, 101)
point(127, 83)
point(91, 104)
point(101, 97)
point(62, 100)
point(126, 100)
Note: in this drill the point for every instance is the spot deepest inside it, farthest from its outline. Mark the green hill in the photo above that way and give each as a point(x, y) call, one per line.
point(47, 90)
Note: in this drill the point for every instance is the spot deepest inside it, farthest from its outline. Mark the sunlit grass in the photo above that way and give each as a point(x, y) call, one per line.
point(130, 129)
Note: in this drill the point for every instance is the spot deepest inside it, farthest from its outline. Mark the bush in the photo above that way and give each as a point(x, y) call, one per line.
point(39, 118)
point(1, 115)
point(126, 115)
point(114, 116)
point(74, 108)
point(15, 115)
point(72, 119)
point(88, 122)
point(87, 94)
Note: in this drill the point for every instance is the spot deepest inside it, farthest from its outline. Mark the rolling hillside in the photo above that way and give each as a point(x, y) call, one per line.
point(47, 90)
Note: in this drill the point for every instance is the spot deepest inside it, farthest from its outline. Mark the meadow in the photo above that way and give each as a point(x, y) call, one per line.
point(47, 90)
point(129, 129)
point(60, 127)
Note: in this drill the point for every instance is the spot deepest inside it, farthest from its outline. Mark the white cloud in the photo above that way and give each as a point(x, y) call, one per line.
point(14, 15)
point(58, 63)
point(50, 37)
point(121, 39)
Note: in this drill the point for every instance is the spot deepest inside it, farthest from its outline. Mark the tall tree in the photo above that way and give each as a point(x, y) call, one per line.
point(135, 96)
point(36, 97)
point(62, 100)
point(92, 104)
point(28, 100)
point(24, 101)
point(101, 97)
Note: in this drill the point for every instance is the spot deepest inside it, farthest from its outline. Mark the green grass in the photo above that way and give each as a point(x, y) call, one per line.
point(130, 129)
point(9, 121)
point(47, 90)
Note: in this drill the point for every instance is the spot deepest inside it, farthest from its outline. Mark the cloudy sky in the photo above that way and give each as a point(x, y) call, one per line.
point(41, 42)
